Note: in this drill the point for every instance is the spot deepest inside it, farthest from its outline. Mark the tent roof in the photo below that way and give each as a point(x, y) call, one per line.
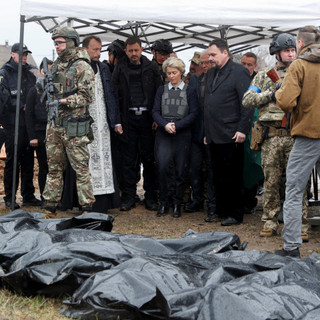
point(244, 24)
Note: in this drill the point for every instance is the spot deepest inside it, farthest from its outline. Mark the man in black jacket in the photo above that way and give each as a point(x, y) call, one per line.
point(227, 124)
point(36, 125)
point(25, 154)
point(136, 80)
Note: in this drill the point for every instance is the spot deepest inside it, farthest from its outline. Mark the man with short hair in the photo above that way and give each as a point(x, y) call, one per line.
point(136, 80)
point(104, 112)
point(67, 132)
point(227, 124)
point(25, 153)
point(249, 61)
point(277, 143)
point(300, 95)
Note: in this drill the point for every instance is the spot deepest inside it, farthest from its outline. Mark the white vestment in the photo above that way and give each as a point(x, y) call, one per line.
point(100, 163)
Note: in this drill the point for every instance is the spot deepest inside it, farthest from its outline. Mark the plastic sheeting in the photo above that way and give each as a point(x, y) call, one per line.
point(113, 276)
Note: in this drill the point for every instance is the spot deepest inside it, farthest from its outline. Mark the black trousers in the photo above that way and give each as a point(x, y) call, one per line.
point(138, 139)
point(25, 162)
point(42, 159)
point(227, 164)
point(177, 148)
point(200, 153)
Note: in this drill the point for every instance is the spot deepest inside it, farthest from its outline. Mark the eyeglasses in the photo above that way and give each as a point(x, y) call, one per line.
point(57, 43)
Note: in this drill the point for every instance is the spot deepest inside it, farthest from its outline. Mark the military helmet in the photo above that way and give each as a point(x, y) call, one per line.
point(117, 48)
point(162, 45)
point(282, 41)
point(68, 33)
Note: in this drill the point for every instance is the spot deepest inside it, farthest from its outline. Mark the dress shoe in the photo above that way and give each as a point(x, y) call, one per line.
point(295, 253)
point(176, 211)
point(193, 206)
point(8, 205)
point(212, 216)
point(229, 222)
point(32, 203)
point(127, 205)
point(150, 205)
point(163, 210)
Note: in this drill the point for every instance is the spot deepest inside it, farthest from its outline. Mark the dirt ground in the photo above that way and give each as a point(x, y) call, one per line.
point(144, 222)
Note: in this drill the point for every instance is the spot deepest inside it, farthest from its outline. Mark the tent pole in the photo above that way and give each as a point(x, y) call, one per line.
point(16, 128)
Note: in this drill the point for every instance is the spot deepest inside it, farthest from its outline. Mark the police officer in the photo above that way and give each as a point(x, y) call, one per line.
point(25, 154)
point(278, 143)
point(67, 134)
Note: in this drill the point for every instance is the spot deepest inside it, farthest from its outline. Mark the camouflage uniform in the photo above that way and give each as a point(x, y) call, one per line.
point(59, 145)
point(275, 148)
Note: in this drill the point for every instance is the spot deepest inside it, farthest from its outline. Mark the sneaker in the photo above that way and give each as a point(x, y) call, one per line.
point(32, 203)
point(267, 232)
point(295, 253)
point(304, 237)
point(8, 205)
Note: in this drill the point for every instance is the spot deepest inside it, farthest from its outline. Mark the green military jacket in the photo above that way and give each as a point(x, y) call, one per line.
point(74, 80)
point(259, 96)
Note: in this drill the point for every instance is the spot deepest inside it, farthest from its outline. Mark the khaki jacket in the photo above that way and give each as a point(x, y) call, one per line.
point(300, 93)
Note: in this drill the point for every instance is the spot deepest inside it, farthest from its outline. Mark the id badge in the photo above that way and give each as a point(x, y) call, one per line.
point(138, 112)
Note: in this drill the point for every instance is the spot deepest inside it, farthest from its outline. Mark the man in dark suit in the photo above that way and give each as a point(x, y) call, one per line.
point(227, 124)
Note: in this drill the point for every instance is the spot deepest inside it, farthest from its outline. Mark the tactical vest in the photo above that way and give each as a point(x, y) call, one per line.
point(64, 80)
point(135, 86)
point(174, 104)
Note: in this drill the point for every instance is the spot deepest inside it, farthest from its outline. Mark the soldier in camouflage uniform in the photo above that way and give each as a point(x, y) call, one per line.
point(277, 143)
point(67, 134)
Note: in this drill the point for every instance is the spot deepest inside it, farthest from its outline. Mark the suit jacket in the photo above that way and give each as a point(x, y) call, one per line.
point(224, 114)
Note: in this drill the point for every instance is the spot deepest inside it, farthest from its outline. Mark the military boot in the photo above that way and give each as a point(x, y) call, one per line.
point(86, 210)
point(50, 212)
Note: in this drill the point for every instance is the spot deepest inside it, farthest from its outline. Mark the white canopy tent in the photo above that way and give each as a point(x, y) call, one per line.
point(187, 23)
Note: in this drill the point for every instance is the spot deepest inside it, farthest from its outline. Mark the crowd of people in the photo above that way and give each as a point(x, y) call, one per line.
point(104, 121)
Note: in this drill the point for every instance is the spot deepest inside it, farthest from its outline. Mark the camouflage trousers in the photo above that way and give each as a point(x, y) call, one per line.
point(274, 157)
point(60, 148)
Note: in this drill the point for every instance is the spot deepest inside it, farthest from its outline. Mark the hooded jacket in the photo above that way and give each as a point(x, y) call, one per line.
point(300, 93)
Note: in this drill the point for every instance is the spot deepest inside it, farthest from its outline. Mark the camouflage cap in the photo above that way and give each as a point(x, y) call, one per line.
point(196, 58)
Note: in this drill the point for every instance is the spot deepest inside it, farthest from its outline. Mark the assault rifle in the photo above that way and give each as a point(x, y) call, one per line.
point(52, 104)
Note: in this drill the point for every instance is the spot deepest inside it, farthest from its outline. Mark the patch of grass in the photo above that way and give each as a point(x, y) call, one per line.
point(16, 307)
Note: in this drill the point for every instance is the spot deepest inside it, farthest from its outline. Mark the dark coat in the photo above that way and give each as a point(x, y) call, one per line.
point(184, 123)
point(109, 95)
point(120, 78)
point(198, 126)
point(8, 92)
point(224, 114)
